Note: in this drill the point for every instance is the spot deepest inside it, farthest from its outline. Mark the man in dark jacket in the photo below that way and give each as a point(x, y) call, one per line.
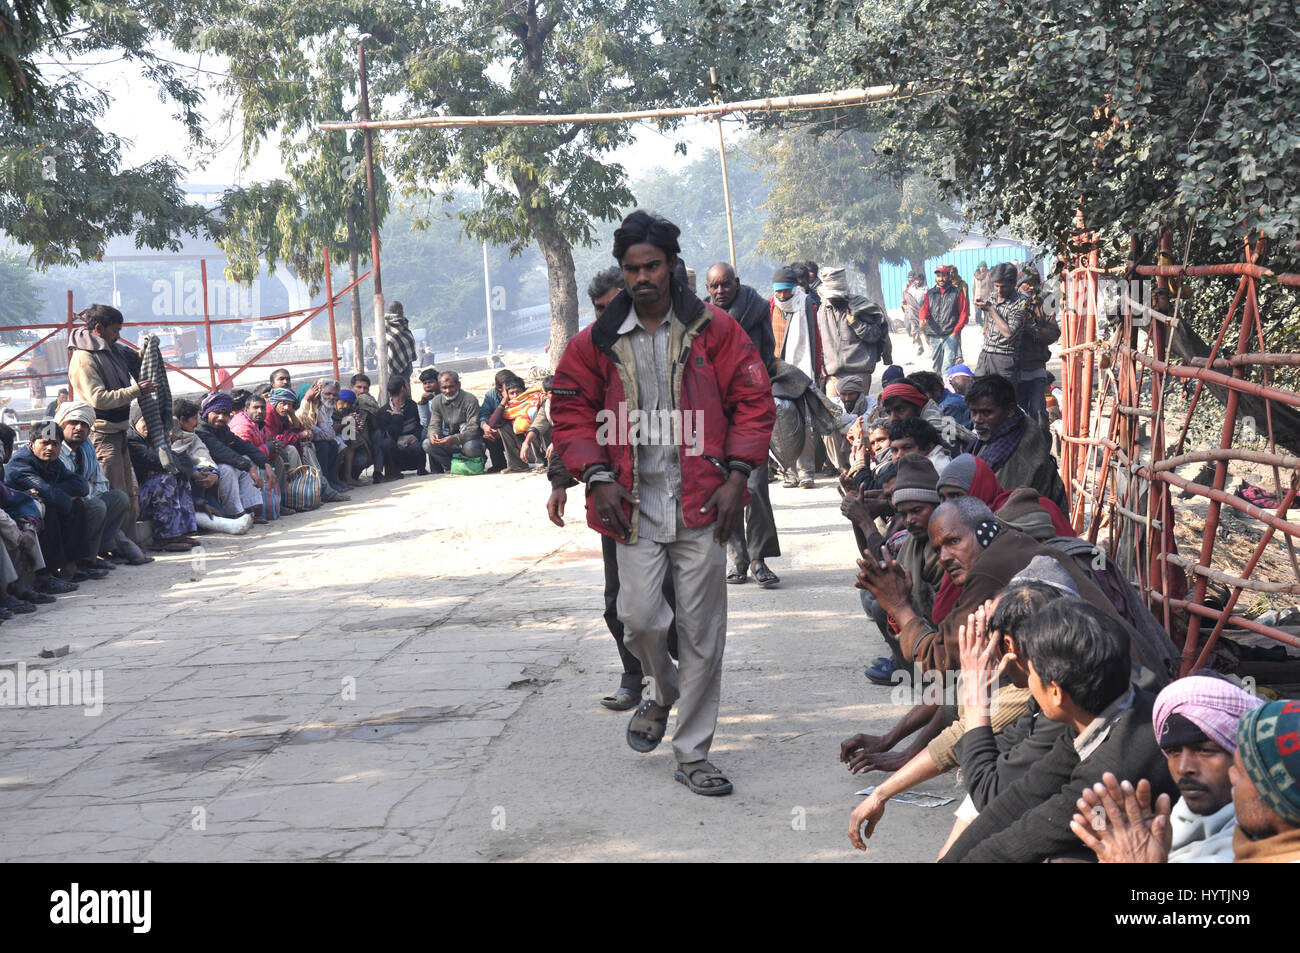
point(1007, 440)
point(37, 470)
point(238, 461)
point(1079, 673)
point(943, 314)
point(400, 421)
point(754, 539)
point(1040, 331)
point(669, 483)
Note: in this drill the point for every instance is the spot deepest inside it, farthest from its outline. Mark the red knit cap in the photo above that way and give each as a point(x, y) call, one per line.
point(905, 391)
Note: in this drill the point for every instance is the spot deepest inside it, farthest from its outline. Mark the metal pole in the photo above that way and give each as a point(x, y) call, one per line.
point(329, 294)
point(726, 185)
point(381, 339)
point(207, 326)
point(487, 291)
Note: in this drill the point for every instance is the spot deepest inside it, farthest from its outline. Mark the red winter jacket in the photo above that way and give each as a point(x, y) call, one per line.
point(717, 371)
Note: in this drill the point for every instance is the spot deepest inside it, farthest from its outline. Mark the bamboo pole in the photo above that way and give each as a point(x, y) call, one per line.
point(844, 97)
point(726, 183)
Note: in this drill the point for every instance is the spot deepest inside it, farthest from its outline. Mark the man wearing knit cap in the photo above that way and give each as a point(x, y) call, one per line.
point(914, 499)
point(798, 342)
point(106, 508)
point(1008, 310)
point(1266, 784)
point(855, 336)
point(943, 314)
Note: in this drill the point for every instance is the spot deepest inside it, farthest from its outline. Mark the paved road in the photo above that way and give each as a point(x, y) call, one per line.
point(415, 675)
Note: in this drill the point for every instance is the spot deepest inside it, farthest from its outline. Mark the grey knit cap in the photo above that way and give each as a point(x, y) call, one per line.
point(1047, 570)
point(959, 473)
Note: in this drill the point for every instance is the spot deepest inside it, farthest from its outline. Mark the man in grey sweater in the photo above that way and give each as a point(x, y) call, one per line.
point(453, 424)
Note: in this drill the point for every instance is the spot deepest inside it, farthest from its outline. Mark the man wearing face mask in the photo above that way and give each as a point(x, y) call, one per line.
point(798, 342)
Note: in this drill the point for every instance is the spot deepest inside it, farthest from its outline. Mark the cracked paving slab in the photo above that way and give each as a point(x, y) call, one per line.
point(259, 704)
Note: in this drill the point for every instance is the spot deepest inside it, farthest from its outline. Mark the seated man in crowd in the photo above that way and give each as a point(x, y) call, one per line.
point(65, 541)
point(914, 435)
point(105, 508)
point(950, 404)
point(240, 464)
point(316, 417)
point(914, 499)
point(400, 421)
point(954, 399)
point(491, 401)
point(1265, 779)
point(901, 400)
point(248, 423)
point(1079, 665)
point(356, 420)
point(454, 424)
point(996, 714)
point(428, 391)
point(511, 439)
point(217, 487)
point(1195, 720)
point(165, 496)
point(1017, 450)
point(280, 377)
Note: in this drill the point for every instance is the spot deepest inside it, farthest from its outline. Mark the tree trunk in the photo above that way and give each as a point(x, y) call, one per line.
point(358, 346)
point(870, 270)
point(564, 293)
point(918, 266)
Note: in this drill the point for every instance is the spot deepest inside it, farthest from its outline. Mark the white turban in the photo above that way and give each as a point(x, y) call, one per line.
point(75, 410)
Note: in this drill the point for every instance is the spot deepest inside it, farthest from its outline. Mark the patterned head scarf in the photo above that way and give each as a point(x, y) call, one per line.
point(1214, 705)
point(278, 394)
point(216, 402)
point(1268, 739)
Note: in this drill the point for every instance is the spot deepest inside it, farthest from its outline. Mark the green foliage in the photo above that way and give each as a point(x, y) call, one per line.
point(24, 25)
point(829, 201)
point(689, 193)
point(437, 272)
point(64, 191)
point(291, 67)
point(19, 304)
point(1139, 113)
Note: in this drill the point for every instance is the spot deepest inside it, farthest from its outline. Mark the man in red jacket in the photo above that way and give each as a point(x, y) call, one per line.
point(663, 407)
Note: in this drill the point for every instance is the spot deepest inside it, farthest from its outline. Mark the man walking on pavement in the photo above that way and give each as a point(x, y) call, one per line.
point(754, 540)
point(855, 335)
point(794, 329)
point(670, 487)
point(943, 314)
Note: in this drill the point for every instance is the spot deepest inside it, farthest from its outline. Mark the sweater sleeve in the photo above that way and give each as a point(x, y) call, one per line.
point(85, 381)
point(963, 312)
point(1022, 823)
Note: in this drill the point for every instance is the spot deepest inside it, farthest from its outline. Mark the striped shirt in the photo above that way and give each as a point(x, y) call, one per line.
point(658, 467)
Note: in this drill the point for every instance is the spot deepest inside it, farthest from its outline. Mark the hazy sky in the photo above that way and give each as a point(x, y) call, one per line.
point(139, 116)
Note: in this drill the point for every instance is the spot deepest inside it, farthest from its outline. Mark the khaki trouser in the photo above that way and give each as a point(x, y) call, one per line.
point(698, 565)
point(115, 460)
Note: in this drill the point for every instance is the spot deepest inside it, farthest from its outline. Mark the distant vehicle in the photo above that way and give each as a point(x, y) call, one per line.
point(178, 346)
point(263, 334)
